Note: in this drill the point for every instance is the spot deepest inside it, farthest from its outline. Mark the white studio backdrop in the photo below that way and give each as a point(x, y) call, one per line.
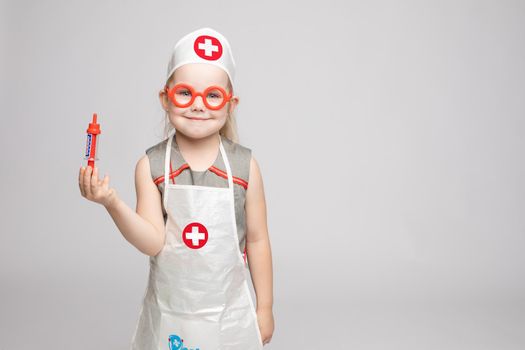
point(390, 140)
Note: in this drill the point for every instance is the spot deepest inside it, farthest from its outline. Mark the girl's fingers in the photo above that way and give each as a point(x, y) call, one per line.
point(105, 182)
point(81, 180)
point(94, 181)
point(87, 181)
point(91, 186)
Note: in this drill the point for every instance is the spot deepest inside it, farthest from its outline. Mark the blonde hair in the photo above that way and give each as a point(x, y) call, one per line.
point(228, 130)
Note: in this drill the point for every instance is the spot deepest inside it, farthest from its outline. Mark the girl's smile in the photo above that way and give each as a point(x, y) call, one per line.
point(199, 119)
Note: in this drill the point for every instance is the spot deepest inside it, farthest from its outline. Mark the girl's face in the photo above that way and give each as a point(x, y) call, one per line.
point(196, 120)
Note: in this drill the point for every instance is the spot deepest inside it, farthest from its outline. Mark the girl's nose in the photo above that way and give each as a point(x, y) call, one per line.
point(198, 103)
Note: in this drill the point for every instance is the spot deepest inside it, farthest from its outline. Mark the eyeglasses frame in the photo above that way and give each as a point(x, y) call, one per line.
point(194, 94)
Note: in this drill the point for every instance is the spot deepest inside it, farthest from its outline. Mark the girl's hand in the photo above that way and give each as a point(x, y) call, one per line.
point(94, 189)
point(266, 324)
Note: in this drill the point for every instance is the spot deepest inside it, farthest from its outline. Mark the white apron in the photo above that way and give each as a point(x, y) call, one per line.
point(197, 296)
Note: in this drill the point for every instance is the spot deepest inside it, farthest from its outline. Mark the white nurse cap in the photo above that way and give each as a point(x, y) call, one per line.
point(203, 45)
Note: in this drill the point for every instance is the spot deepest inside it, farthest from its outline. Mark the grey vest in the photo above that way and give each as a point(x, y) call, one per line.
point(215, 176)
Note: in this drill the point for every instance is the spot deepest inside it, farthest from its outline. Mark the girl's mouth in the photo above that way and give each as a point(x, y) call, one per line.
point(193, 118)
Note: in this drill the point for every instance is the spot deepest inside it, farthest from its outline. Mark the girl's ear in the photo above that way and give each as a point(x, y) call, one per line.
point(234, 101)
point(163, 98)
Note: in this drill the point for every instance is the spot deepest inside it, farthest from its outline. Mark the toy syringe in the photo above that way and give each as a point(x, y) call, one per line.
point(93, 131)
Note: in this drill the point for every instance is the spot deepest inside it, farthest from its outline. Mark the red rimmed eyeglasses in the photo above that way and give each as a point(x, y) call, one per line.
point(182, 95)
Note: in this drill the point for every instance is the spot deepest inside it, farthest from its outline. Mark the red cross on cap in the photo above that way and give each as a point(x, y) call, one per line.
point(208, 47)
point(195, 235)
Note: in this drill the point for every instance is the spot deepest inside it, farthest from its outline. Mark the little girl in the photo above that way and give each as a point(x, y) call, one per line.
point(201, 213)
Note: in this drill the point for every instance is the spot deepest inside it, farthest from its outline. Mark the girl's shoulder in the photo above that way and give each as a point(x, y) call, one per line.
point(157, 150)
point(235, 148)
point(156, 154)
point(239, 157)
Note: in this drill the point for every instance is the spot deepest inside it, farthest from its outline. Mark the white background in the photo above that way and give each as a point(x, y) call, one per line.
point(390, 137)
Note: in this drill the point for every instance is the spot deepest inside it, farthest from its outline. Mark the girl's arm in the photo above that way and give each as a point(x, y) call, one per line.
point(144, 228)
point(258, 250)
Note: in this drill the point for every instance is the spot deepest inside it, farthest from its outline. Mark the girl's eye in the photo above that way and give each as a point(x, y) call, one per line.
point(213, 95)
point(183, 92)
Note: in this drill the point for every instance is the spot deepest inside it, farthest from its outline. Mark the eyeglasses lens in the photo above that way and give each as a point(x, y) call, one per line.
point(182, 95)
point(215, 97)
